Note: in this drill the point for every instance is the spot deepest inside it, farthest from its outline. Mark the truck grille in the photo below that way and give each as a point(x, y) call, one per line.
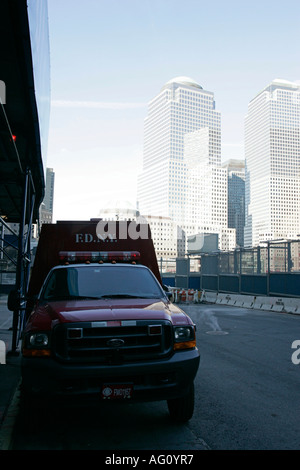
point(112, 342)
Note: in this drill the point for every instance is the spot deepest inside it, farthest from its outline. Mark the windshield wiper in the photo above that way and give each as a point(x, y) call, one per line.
point(84, 297)
point(71, 297)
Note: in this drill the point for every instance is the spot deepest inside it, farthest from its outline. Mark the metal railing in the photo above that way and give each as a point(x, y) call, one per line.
point(270, 269)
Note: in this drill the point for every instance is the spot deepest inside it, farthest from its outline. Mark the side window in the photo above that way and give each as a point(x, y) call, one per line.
point(63, 283)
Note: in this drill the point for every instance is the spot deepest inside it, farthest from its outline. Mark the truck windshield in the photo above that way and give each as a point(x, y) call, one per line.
point(101, 282)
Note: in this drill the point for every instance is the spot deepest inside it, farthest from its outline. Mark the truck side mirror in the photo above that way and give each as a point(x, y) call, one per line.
point(13, 301)
point(167, 292)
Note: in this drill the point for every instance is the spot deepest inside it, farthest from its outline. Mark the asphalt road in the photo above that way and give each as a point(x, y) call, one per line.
point(247, 395)
point(248, 387)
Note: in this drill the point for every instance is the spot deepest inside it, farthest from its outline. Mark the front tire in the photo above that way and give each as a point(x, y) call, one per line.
point(182, 409)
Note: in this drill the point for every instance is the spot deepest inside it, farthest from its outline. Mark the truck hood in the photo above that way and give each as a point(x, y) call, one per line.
point(47, 315)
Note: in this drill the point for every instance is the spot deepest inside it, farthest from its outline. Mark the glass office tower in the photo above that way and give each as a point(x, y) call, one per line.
point(236, 197)
point(181, 107)
point(272, 155)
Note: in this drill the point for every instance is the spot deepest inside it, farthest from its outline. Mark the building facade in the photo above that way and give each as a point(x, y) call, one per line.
point(164, 232)
point(182, 181)
point(46, 208)
point(206, 182)
point(166, 238)
point(49, 190)
point(236, 197)
point(272, 154)
point(181, 107)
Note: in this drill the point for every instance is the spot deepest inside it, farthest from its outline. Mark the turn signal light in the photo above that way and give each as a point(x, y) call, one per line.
point(36, 352)
point(185, 345)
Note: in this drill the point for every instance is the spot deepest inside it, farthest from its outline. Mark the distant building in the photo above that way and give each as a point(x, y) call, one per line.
point(206, 182)
point(226, 236)
point(164, 232)
point(45, 215)
point(182, 184)
point(46, 208)
point(49, 190)
point(163, 229)
point(236, 197)
point(272, 154)
point(181, 107)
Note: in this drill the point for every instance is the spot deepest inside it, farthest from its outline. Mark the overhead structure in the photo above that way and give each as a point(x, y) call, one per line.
point(24, 107)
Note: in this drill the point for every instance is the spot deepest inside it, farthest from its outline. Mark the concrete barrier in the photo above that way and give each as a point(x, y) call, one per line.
point(292, 306)
point(234, 300)
point(228, 299)
point(278, 305)
point(263, 303)
point(248, 301)
point(275, 304)
point(238, 300)
point(210, 297)
point(221, 299)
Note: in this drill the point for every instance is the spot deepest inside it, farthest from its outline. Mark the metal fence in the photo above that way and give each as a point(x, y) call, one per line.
point(275, 257)
point(272, 269)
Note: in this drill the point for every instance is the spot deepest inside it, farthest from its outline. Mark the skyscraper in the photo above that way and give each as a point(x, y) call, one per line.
point(181, 107)
point(206, 182)
point(46, 209)
point(272, 154)
point(49, 190)
point(236, 197)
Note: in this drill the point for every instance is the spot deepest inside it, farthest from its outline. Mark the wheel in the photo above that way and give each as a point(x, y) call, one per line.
point(182, 409)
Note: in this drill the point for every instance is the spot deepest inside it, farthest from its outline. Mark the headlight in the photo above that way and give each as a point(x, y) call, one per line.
point(36, 345)
point(37, 340)
point(184, 337)
point(183, 333)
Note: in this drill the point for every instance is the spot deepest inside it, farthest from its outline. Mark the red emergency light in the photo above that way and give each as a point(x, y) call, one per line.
point(99, 256)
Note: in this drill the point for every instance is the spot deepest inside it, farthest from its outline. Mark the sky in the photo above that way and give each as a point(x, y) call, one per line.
point(110, 58)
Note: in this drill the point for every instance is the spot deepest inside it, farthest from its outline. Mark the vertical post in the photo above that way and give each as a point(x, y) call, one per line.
point(235, 262)
point(28, 242)
point(289, 254)
point(258, 261)
point(218, 272)
point(268, 271)
point(19, 271)
point(200, 272)
point(240, 271)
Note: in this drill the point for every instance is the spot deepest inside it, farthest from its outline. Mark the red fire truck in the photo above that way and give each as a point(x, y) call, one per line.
point(100, 323)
